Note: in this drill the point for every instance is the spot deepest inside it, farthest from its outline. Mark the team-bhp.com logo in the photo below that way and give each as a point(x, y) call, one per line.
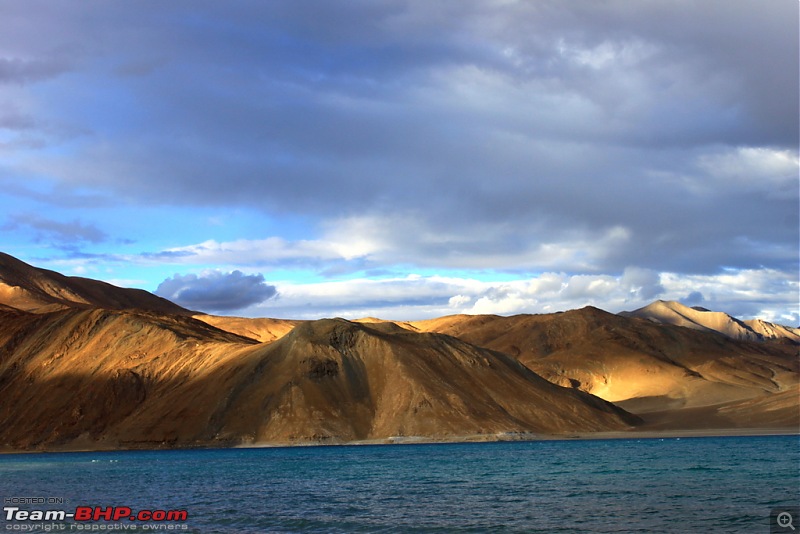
point(82, 516)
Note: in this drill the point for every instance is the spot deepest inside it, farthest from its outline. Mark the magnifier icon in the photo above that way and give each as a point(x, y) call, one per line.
point(785, 520)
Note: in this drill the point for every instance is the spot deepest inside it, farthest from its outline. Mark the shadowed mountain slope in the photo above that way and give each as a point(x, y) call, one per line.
point(29, 288)
point(105, 379)
point(73, 374)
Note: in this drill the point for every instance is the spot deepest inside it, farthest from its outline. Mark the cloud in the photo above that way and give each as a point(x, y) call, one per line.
point(770, 295)
point(60, 233)
point(18, 70)
point(15, 120)
point(748, 293)
point(518, 137)
point(216, 291)
point(644, 284)
point(695, 298)
point(269, 252)
point(753, 170)
point(467, 140)
point(372, 241)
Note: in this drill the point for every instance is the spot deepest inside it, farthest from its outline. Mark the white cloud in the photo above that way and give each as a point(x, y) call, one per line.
point(249, 252)
point(607, 54)
point(642, 283)
point(768, 294)
point(504, 301)
point(358, 236)
point(371, 241)
point(386, 242)
point(459, 301)
point(748, 293)
point(774, 172)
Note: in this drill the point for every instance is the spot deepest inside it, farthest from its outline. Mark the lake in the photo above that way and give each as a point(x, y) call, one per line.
point(725, 484)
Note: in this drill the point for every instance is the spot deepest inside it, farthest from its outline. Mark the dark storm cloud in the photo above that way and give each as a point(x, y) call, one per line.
point(216, 292)
point(552, 123)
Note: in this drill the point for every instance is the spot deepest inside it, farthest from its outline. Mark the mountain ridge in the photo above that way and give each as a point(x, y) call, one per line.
point(33, 289)
point(87, 365)
point(698, 318)
point(109, 378)
point(638, 364)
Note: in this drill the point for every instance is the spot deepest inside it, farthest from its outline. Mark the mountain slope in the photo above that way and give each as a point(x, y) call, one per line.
point(69, 376)
point(107, 379)
point(774, 331)
point(29, 288)
point(675, 313)
point(264, 330)
point(86, 365)
point(387, 382)
point(646, 366)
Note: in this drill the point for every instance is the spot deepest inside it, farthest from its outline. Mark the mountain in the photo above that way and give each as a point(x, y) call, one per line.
point(675, 313)
point(260, 329)
point(769, 330)
point(28, 288)
point(108, 379)
point(68, 377)
point(385, 381)
point(87, 365)
point(643, 366)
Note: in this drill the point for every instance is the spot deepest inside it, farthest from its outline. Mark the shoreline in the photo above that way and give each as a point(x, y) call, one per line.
point(468, 438)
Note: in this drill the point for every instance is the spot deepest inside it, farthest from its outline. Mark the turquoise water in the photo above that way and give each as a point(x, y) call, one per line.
point(666, 485)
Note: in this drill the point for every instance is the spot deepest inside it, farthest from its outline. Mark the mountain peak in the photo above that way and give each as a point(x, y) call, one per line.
point(29, 288)
point(699, 318)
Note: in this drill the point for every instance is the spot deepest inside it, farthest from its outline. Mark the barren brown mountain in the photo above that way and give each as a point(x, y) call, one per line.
point(92, 377)
point(38, 290)
point(107, 378)
point(648, 368)
point(86, 365)
point(259, 329)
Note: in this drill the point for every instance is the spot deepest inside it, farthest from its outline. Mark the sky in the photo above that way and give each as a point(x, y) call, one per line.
point(407, 159)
